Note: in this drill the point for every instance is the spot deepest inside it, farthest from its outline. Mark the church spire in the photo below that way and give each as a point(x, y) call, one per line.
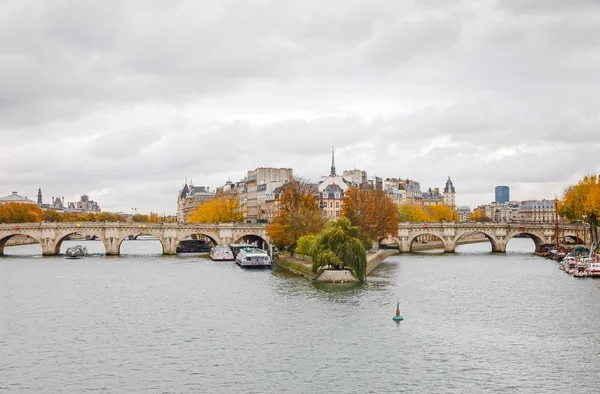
point(332, 162)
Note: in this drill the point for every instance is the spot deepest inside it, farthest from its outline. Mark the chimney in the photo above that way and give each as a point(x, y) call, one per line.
point(14, 193)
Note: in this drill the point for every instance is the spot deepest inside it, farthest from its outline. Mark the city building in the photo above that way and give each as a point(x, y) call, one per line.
point(83, 205)
point(464, 213)
point(331, 191)
point(502, 194)
point(537, 211)
point(260, 186)
point(507, 212)
point(449, 194)
point(395, 189)
point(14, 197)
point(432, 197)
point(189, 198)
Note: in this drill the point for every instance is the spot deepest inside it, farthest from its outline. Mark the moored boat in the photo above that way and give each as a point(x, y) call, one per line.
point(193, 246)
point(580, 271)
point(221, 253)
point(593, 266)
point(252, 257)
point(76, 252)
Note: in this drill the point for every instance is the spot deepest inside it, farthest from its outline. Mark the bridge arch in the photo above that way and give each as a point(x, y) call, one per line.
point(89, 235)
point(417, 234)
point(134, 236)
point(537, 239)
point(250, 238)
point(6, 238)
point(490, 237)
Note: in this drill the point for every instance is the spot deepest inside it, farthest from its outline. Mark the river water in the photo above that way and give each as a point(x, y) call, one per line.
point(141, 323)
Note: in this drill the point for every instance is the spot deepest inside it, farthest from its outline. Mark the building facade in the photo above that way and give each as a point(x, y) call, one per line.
point(15, 197)
point(464, 213)
point(449, 194)
point(502, 194)
point(189, 198)
point(331, 192)
point(260, 185)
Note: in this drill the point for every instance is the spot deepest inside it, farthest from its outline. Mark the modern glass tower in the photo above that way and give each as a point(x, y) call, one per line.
point(502, 194)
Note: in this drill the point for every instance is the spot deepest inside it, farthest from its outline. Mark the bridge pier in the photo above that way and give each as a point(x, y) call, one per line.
point(111, 246)
point(499, 247)
point(449, 246)
point(48, 247)
point(169, 245)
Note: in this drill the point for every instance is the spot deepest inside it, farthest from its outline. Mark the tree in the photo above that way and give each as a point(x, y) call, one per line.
point(339, 245)
point(441, 213)
point(582, 201)
point(306, 244)
point(298, 215)
point(14, 212)
point(478, 215)
point(371, 210)
point(222, 209)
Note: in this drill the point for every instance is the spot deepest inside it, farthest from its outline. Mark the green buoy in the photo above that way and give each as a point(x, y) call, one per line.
point(398, 317)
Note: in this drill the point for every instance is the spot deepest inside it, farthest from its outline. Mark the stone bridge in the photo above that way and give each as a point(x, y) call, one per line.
point(51, 235)
point(497, 233)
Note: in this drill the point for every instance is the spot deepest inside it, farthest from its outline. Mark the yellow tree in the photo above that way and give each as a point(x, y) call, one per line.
point(298, 214)
point(441, 213)
point(223, 209)
point(582, 202)
point(371, 210)
point(412, 213)
point(478, 215)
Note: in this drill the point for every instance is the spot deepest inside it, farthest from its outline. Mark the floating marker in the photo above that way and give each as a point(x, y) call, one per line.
point(398, 317)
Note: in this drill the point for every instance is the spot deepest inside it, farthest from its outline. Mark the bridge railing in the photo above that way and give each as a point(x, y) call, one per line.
point(84, 225)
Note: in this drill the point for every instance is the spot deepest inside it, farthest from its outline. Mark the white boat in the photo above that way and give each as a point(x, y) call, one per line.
point(593, 266)
point(76, 252)
point(252, 257)
point(221, 253)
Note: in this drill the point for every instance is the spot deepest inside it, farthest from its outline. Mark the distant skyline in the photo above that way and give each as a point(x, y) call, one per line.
point(123, 101)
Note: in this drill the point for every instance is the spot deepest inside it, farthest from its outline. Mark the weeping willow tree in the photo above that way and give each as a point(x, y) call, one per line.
point(341, 245)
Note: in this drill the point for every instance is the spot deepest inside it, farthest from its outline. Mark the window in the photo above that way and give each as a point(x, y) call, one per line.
point(330, 204)
point(337, 204)
point(337, 214)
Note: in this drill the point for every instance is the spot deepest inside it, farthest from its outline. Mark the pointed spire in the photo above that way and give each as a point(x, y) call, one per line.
point(332, 162)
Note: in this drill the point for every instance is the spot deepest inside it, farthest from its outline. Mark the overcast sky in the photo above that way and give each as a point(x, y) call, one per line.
point(124, 100)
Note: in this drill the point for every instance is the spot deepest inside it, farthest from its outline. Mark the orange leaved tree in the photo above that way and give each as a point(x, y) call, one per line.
point(371, 210)
point(298, 214)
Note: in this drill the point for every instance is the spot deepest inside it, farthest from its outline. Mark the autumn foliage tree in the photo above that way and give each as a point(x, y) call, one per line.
point(372, 210)
point(430, 213)
point(478, 215)
point(222, 209)
point(31, 213)
point(14, 212)
point(298, 215)
point(582, 201)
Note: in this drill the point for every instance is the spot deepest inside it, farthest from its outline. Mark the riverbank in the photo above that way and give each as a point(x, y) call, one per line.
point(302, 265)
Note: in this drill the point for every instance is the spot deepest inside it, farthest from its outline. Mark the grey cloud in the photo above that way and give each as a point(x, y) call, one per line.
point(129, 98)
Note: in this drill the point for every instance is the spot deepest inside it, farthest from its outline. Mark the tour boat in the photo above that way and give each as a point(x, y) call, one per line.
point(221, 253)
point(593, 266)
point(76, 252)
point(252, 257)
